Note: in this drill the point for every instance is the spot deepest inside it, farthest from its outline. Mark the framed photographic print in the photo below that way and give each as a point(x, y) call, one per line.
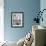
point(17, 19)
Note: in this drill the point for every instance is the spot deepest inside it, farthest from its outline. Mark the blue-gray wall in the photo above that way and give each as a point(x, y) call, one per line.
point(29, 7)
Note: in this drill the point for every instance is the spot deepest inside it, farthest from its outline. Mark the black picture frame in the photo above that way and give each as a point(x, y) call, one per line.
point(17, 19)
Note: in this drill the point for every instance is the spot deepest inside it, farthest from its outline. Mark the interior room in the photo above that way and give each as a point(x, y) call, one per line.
point(22, 23)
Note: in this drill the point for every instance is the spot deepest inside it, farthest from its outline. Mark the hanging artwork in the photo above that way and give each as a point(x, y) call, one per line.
point(17, 19)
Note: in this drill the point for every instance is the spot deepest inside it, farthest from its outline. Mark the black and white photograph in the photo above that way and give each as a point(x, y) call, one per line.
point(17, 19)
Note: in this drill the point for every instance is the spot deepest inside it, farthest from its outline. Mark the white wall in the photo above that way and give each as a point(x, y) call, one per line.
point(1, 20)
